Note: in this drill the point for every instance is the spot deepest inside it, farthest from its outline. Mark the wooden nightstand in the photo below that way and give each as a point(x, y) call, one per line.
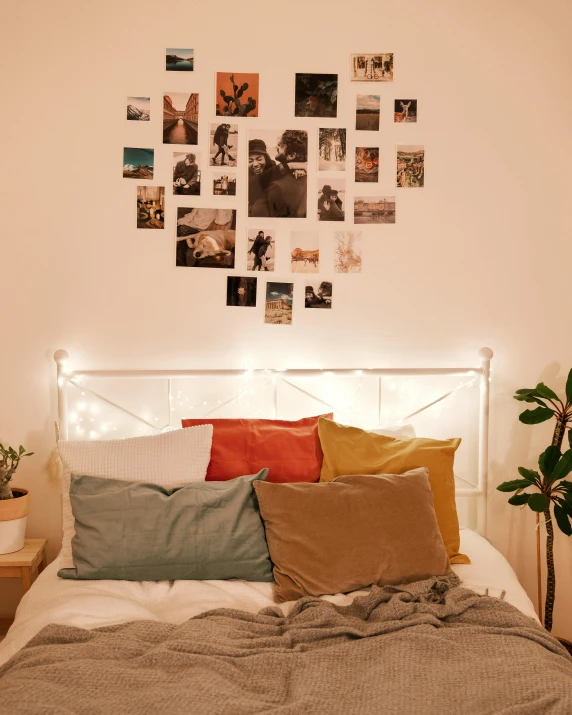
point(25, 564)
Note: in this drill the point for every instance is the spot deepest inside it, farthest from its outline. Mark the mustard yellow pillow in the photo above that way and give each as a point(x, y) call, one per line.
point(350, 450)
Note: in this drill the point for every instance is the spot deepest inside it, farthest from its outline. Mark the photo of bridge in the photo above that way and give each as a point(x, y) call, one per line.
point(180, 118)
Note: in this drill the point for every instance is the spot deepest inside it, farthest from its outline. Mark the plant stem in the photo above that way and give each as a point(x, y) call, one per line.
point(550, 573)
point(559, 431)
point(538, 566)
point(557, 439)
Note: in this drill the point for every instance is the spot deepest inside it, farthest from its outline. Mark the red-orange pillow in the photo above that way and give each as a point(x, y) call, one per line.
point(291, 450)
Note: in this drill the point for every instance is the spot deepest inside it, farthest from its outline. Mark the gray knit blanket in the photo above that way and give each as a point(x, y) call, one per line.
point(430, 648)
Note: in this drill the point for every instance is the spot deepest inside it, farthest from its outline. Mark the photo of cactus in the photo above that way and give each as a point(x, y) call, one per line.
point(236, 94)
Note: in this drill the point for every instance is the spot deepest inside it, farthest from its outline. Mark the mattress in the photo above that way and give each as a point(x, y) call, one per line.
point(91, 604)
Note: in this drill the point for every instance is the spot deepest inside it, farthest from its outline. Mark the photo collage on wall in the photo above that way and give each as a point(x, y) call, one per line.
point(206, 161)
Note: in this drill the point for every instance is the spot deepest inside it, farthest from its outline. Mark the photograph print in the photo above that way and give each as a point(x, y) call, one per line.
point(223, 144)
point(367, 112)
point(178, 60)
point(305, 251)
point(367, 163)
point(261, 249)
point(405, 110)
point(277, 173)
point(206, 237)
point(316, 95)
point(374, 209)
point(186, 174)
point(331, 149)
point(139, 109)
point(410, 166)
point(241, 292)
point(224, 184)
point(180, 118)
point(138, 163)
point(278, 308)
point(332, 200)
point(347, 252)
point(319, 296)
point(236, 94)
point(150, 207)
point(372, 68)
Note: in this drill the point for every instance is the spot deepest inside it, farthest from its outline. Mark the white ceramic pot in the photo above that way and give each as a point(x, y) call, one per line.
point(13, 517)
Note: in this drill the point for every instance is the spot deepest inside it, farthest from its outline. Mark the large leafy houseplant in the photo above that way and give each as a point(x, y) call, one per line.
point(547, 491)
point(9, 461)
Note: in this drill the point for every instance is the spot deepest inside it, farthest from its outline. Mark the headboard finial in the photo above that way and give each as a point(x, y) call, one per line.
point(61, 356)
point(485, 354)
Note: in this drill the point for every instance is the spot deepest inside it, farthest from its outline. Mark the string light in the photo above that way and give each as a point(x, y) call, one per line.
point(343, 404)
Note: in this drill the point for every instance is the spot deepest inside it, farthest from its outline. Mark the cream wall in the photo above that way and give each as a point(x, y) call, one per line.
point(478, 257)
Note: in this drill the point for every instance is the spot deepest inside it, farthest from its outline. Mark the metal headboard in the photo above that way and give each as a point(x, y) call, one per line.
point(67, 376)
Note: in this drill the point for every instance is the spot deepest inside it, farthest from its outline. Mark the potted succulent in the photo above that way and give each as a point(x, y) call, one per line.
point(547, 491)
point(14, 502)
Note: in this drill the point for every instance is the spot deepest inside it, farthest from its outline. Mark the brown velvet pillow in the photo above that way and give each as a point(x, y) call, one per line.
point(350, 533)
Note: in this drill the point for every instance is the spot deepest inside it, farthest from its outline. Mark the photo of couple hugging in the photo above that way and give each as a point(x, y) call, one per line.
point(278, 186)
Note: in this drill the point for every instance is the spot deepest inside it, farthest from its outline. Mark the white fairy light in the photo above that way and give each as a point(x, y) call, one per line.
point(81, 406)
point(93, 434)
point(72, 417)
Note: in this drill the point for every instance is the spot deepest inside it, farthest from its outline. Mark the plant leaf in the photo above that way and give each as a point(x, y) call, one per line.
point(513, 485)
point(570, 438)
point(529, 398)
point(529, 474)
point(546, 392)
point(563, 468)
point(567, 506)
point(535, 417)
point(569, 387)
point(548, 460)
point(538, 502)
point(563, 520)
point(519, 499)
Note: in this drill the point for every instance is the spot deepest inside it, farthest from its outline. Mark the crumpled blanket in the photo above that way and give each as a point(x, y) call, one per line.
point(429, 648)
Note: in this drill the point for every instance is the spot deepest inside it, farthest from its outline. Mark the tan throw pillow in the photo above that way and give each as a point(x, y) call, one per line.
point(350, 450)
point(351, 533)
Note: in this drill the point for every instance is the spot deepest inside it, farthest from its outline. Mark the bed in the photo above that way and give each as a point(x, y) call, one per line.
point(466, 642)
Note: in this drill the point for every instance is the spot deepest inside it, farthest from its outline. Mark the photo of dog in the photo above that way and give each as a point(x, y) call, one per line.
point(206, 238)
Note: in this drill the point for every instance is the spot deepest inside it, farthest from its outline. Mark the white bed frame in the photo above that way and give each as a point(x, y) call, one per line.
point(478, 491)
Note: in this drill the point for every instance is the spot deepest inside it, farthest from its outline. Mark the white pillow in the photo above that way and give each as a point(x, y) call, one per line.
point(169, 459)
point(396, 431)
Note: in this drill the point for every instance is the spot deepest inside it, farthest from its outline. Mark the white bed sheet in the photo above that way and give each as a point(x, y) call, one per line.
point(90, 604)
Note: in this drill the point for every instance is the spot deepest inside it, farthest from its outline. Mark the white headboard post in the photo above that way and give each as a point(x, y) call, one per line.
point(485, 355)
point(61, 357)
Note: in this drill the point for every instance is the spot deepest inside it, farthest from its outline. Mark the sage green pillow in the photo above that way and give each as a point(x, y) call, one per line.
point(134, 531)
